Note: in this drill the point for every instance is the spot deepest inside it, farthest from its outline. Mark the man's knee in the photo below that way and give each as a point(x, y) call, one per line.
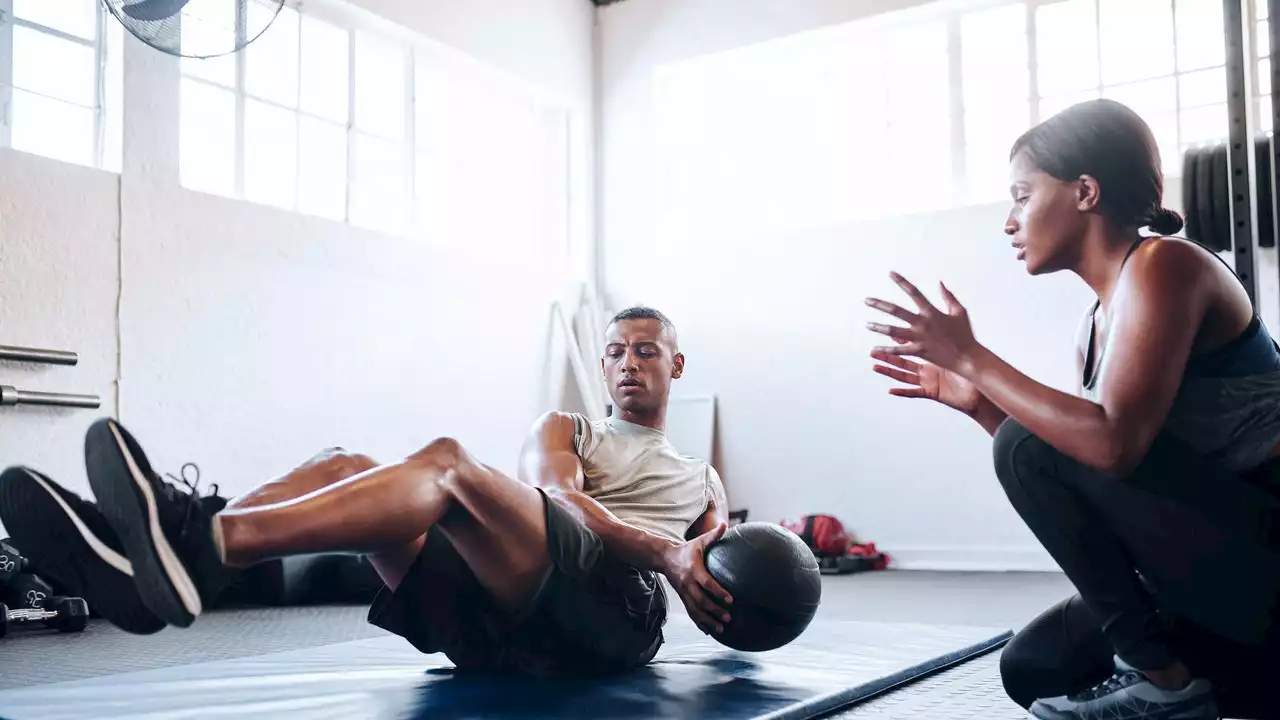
point(444, 451)
point(451, 464)
point(348, 463)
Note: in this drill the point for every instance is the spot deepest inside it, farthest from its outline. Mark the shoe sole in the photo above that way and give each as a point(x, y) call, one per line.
point(60, 546)
point(1202, 710)
point(120, 477)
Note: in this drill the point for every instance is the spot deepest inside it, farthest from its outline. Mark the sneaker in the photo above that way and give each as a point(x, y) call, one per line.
point(69, 542)
point(1129, 695)
point(166, 530)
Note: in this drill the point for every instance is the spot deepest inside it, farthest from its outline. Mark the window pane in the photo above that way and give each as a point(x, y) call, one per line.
point(379, 184)
point(205, 24)
point(1204, 123)
point(74, 17)
point(1123, 59)
point(271, 61)
point(380, 87)
point(113, 133)
point(1051, 106)
point(1148, 99)
point(984, 61)
point(55, 67)
point(1200, 34)
point(1203, 87)
point(207, 145)
point(1066, 47)
point(1264, 78)
point(1264, 116)
point(326, 74)
point(322, 172)
point(52, 128)
point(270, 154)
point(988, 137)
point(1165, 129)
point(1263, 39)
point(1260, 8)
point(917, 75)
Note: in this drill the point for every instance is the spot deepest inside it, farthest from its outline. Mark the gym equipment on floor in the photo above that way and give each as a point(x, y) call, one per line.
point(63, 614)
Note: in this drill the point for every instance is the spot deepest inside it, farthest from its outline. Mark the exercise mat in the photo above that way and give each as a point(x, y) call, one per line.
point(834, 664)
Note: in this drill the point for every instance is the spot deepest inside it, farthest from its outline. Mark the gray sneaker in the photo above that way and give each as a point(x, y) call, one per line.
point(1128, 695)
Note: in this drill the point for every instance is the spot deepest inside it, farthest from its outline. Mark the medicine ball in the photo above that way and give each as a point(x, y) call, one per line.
point(774, 581)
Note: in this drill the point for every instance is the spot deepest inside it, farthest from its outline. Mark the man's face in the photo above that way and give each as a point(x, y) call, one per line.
point(640, 361)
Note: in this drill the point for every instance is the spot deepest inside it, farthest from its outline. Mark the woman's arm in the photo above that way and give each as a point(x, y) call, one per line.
point(990, 416)
point(1156, 315)
point(1155, 318)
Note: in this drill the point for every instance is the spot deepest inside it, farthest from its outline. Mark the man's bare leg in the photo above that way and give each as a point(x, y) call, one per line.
point(324, 469)
point(496, 524)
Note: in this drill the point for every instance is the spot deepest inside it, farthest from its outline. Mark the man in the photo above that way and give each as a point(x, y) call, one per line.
point(551, 575)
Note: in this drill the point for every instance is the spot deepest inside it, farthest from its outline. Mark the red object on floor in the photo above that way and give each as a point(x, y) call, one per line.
point(835, 548)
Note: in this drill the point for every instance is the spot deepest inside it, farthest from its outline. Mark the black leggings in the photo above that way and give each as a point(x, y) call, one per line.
point(1178, 561)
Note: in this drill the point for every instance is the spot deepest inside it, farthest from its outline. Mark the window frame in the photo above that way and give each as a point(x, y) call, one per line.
point(965, 192)
point(351, 132)
point(99, 44)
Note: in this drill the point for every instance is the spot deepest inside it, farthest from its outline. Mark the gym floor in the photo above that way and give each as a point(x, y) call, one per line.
point(1003, 600)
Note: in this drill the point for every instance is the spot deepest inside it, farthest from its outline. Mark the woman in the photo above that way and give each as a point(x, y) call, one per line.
point(1156, 489)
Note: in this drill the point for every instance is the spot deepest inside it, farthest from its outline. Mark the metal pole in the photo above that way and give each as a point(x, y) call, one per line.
point(1241, 160)
point(10, 396)
point(36, 355)
point(1273, 29)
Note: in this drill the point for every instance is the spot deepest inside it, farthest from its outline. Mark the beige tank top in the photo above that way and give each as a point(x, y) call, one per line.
point(637, 474)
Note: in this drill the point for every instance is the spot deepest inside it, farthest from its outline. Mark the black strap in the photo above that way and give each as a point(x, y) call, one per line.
point(807, 534)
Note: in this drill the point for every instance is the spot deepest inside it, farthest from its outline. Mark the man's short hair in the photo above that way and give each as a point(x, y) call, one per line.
point(641, 312)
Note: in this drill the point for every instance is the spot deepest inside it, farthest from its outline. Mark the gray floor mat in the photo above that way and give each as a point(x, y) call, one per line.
point(969, 692)
point(37, 656)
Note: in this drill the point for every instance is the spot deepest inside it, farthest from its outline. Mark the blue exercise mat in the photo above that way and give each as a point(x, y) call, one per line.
point(834, 664)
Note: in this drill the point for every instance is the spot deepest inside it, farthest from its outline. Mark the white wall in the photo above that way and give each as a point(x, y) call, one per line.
point(772, 321)
point(250, 337)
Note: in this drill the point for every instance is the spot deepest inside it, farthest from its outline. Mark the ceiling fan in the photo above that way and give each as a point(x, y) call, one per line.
point(212, 27)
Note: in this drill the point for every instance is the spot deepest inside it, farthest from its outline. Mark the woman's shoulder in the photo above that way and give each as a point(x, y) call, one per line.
point(1168, 259)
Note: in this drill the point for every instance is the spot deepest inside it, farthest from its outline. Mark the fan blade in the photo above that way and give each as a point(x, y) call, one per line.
point(154, 10)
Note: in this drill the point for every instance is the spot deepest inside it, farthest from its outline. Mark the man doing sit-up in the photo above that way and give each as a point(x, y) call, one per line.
point(554, 574)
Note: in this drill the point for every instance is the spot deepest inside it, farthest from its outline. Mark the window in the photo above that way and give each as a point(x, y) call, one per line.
point(1261, 50)
point(996, 92)
point(269, 124)
point(382, 133)
point(1165, 59)
point(60, 73)
point(913, 111)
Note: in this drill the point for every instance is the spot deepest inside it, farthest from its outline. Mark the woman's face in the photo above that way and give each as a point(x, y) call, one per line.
point(1048, 216)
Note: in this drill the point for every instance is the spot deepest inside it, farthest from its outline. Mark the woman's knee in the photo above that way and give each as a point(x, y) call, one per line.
point(1018, 674)
point(1017, 452)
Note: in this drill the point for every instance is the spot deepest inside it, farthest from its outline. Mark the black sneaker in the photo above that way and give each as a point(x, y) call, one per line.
point(69, 542)
point(165, 528)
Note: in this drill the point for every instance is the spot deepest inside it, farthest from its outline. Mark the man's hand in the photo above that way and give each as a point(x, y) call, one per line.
point(685, 566)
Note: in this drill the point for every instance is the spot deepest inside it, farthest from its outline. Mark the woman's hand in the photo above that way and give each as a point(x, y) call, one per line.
point(930, 382)
point(944, 339)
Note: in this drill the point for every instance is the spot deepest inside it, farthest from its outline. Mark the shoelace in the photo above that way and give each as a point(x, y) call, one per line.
point(192, 497)
point(1116, 682)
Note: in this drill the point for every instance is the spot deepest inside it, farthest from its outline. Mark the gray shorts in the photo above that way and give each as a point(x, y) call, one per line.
point(591, 615)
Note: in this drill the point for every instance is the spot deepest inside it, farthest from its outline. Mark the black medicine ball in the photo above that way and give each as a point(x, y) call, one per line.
point(774, 581)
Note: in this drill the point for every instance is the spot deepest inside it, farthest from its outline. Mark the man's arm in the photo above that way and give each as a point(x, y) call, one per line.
point(549, 460)
point(717, 512)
